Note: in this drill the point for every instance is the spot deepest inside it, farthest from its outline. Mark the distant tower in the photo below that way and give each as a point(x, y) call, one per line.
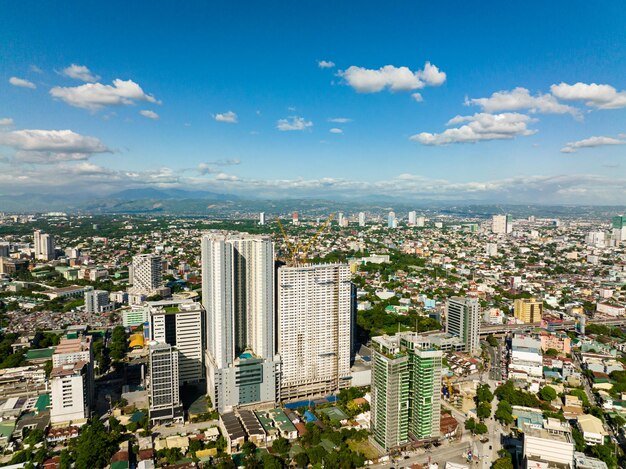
point(412, 218)
point(262, 218)
point(147, 275)
point(340, 219)
point(44, 246)
point(391, 220)
point(294, 218)
point(501, 224)
point(361, 219)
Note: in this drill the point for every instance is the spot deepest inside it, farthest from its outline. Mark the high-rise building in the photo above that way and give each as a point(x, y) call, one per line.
point(361, 219)
point(262, 218)
point(491, 249)
point(392, 222)
point(238, 295)
point(420, 222)
point(146, 274)
point(181, 325)
point(314, 321)
point(619, 228)
point(406, 390)
point(463, 321)
point(412, 217)
point(71, 351)
point(340, 219)
point(528, 310)
point(44, 246)
point(164, 392)
point(97, 301)
point(70, 393)
point(502, 224)
point(294, 218)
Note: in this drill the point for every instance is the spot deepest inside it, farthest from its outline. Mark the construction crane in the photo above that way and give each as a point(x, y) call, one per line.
point(299, 251)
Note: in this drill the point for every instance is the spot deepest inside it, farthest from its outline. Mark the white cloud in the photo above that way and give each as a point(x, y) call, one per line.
point(572, 147)
point(335, 130)
point(417, 97)
point(80, 72)
point(48, 146)
point(394, 78)
point(35, 69)
point(6, 121)
point(520, 98)
point(149, 114)
point(325, 64)
point(479, 127)
point(22, 83)
point(230, 117)
point(594, 95)
point(339, 120)
point(293, 123)
point(94, 96)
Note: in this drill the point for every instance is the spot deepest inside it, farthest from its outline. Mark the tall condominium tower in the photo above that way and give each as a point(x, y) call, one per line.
point(314, 314)
point(528, 310)
point(406, 389)
point(181, 325)
point(619, 229)
point(146, 274)
point(502, 224)
point(412, 217)
point(238, 295)
point(463, 320)
point(164, 389)
point(361, 219)
point(392, 222)
point(44, 246)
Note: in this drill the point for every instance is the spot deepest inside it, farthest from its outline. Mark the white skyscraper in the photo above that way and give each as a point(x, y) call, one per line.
point(97, 301)
point(164, 389)
point(146, 273)
point(238, 295)
point(44, 246)
point(391, 220)
point(314, 329)
point(69, 393)
point(420, 221)
point(262, 218)
point(361, 219)
point(501, 224)
point(412, 217)
point(181, 325)
point(463, 321)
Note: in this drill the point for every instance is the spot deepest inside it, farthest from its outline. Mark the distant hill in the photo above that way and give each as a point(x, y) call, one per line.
point(168, 194)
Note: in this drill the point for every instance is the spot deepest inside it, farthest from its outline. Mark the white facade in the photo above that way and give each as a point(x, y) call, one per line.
point(552, 445)
point(501, 224)
point(69, 393)
point(262, 218)
point(238, 295)
point(164, 392)
point(463, 320)
point(412, 217)
point(361, 219)
point(135, 316)
point(314, 329)
point(420, 221)
point(97, 301)
point(44, 246)
point(146, 273)
point(182, 329)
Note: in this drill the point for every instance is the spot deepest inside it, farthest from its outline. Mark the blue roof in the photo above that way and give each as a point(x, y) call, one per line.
point(309, 417)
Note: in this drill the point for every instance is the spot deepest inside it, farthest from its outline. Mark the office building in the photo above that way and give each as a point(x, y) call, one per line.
point(262, 218)
point(238, 295)
point(463, 321)
point(146, 274)
point(181, 325)
point(361, 219)
point(550, 445)
point(412, 217)
point(164, 392)
point(420, 222)
point(135, 315)
point(97, 301)
point(314, 315)
point(528, 310)
point(294, 218)
point(502, 224)
point(392, 222)
point(44, 246)
point(491, 249)
point(70, 393)
point(340, 219)
point(71, 351)
point(619, 229)
point(526, 360)
point(406, 390)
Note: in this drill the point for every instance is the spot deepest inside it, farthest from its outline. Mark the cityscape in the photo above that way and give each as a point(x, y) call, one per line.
point(312, 235)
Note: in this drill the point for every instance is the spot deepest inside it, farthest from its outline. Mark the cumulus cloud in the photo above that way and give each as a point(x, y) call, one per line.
point(591, 142)
point(293, 123)
point(339, 120)
point(417, 97)
point(49, 146)
point(519, 99)
point(229, 117)
point(80, 72)
point(94, 96)
point(325, 64)
point(6, 121)
point(479, 127)
point(149, 114)
point(593, 95)
point(22, 83)
point(390, 77)
point(210, 167)
point(335, 130)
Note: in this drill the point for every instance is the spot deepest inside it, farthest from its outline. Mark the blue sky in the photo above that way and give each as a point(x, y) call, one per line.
point(234, 98)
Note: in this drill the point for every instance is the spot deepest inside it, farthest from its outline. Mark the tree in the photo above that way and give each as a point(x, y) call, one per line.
point(481, 429)
point(281, 445)
point(95, 445)
point(551, 352)
point(470, 424)
point(491, 340)
point(483, 410)
point(484, 394)
point(605, 453)
point(504, 413)
point(302, 460)
point(505, 461)
point(579, 439)
point(547, 393)
point(272, 462)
